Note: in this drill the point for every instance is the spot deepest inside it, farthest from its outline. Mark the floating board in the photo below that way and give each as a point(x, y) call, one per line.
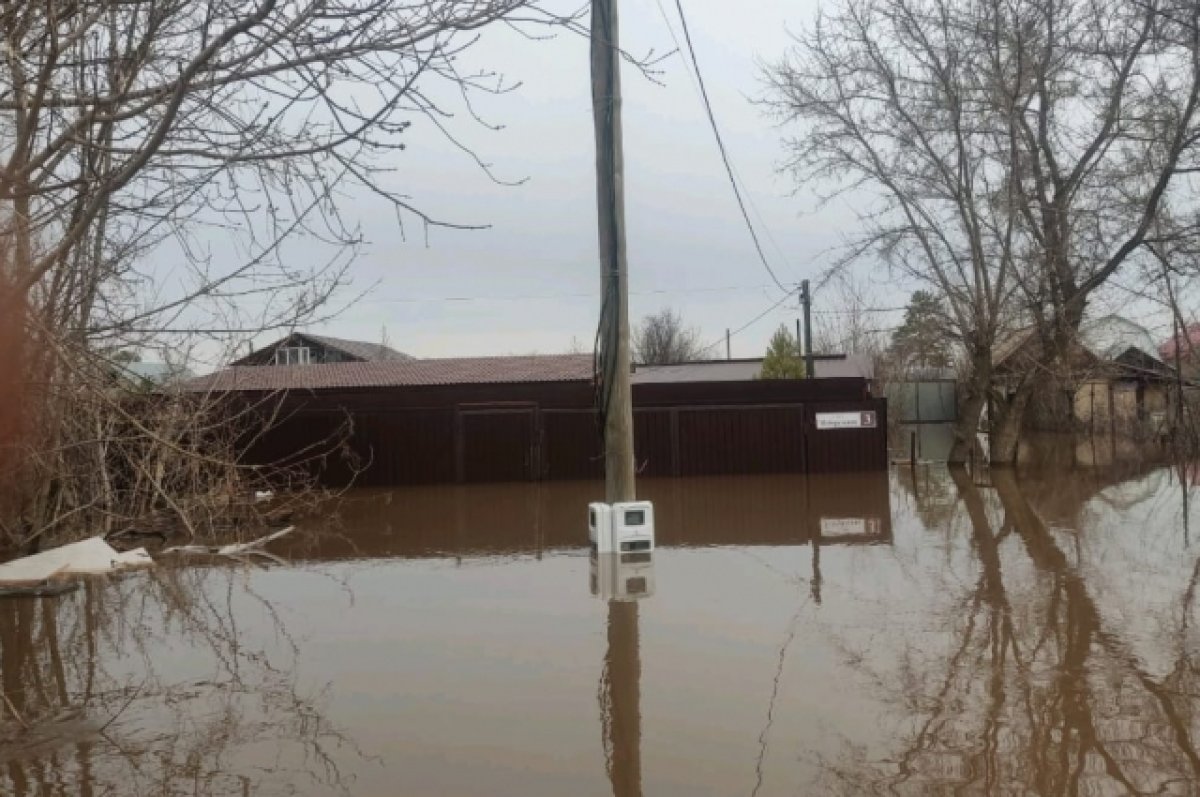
point(88, 557)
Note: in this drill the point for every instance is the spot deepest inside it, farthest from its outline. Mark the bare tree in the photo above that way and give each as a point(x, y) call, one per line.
point(134, 127)
point(1023, 152)
point(662, 338)
point(847, 319)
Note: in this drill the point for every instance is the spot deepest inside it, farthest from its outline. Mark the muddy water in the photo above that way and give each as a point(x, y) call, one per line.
point(853, 635)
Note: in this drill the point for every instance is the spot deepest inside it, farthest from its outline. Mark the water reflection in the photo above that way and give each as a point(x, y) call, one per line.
point(536, 518)
point(167, 683)
point(1035, 692)
point(915, 633)
point(622, 580)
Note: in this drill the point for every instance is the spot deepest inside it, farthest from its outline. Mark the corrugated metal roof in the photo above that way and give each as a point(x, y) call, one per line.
point(399, 373)
point(714, 371)
point(826, 366)
point(849, 365)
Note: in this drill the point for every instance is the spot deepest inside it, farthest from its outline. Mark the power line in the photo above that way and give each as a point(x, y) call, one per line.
point(696, 88)
point(687, 36)
point(582, 295)
point(746, 325)
point(857, 310)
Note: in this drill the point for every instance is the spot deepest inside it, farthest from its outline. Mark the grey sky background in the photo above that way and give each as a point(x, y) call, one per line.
point(530, 283)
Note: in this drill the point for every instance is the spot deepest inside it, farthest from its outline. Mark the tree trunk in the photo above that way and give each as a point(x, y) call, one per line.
point(1006, 429)
point(978, 383)
point(12, 399)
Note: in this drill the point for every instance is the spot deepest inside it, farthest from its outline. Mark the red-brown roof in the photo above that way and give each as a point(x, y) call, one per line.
point(1186, 342)
point(399, 373)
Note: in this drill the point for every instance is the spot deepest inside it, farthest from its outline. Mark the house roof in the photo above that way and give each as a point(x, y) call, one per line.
point(1010, 344)
point(1186, 343)
point(398, 373)
point(356, 349)
point(1112, 336)
point(1107, 338)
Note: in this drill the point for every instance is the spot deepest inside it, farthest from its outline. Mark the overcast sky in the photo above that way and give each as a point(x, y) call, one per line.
point(530, 283)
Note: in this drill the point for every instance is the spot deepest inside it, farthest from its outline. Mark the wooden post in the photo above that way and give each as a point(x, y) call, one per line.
point(610, 194)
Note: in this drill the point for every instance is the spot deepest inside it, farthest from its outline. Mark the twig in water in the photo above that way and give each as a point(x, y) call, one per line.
point(16, 714)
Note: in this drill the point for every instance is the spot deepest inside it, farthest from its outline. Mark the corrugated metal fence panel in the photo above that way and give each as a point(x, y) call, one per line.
point(843, 450)
point(300, 441)
point(741, 440)
point(654, 442)
point(571, 445)
point(409, 447)
point(755, 392)
point(923, 401)
point(496, 445)
point(519, 441)
point(937, 401)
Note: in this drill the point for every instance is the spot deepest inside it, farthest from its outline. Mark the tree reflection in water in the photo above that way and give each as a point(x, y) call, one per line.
point(176, 681)
point(1037, 691)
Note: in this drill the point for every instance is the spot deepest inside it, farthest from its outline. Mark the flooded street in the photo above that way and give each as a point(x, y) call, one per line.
point(832, 635)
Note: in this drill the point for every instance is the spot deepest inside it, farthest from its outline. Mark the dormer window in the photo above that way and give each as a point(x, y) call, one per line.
point(293, 355)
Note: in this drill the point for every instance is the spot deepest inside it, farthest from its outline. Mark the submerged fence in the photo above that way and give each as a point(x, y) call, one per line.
point(530, 433)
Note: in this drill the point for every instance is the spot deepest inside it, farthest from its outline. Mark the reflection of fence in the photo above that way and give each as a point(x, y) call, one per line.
point(923, 401)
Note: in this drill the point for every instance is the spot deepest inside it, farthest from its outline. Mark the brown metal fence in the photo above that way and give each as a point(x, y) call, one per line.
point(525, 440)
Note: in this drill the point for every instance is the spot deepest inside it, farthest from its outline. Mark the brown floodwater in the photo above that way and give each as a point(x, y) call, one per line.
point(878, 634)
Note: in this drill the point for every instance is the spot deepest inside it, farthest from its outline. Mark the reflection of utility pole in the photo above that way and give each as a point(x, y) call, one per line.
point(816, 566)
point(623, 723)
point(616, 393)
point(806, 302)
point(814, 539)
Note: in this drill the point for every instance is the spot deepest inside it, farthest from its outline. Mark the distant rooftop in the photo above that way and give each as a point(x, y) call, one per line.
point(1107, 338)
point(342, 349)
point(399, 373)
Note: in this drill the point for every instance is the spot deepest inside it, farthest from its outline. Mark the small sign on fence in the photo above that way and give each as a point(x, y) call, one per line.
point(850, 526)
point(846, 420)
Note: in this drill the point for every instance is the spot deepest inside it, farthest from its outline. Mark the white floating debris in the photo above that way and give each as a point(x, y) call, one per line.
point(233, 549)
point(88, 557)
point(263, 495)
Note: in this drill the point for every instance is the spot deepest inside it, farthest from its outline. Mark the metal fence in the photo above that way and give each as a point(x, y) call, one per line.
point(923, 401)
point(676, 433)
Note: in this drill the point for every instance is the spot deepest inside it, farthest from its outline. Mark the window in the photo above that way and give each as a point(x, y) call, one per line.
point(635, 517)
point(293, 355)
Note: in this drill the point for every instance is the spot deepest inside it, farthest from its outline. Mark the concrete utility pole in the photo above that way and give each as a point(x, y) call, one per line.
point(610, 195)
point(806, 300)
